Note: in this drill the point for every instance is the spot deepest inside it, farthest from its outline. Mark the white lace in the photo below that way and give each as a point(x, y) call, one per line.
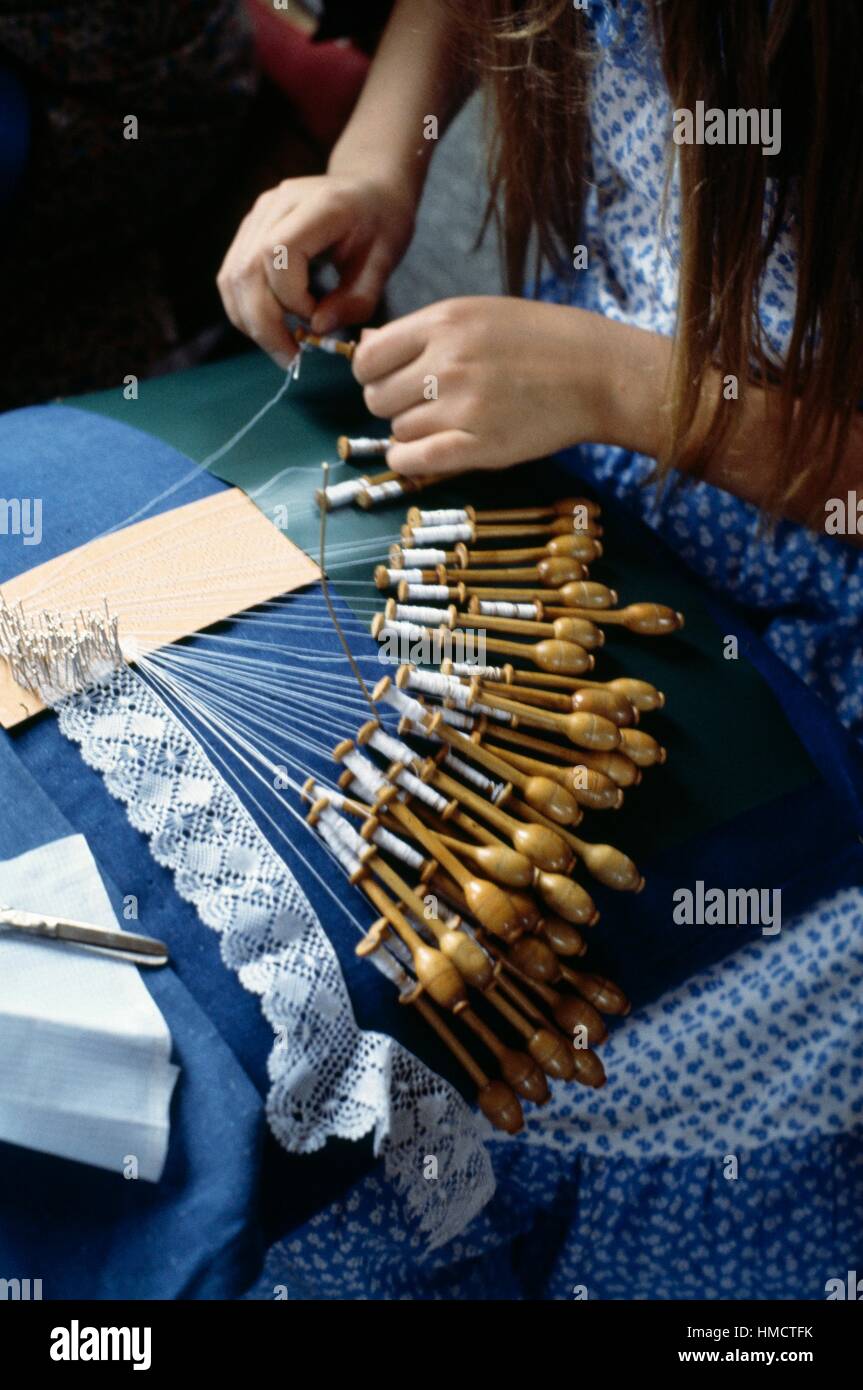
point(329, 1077)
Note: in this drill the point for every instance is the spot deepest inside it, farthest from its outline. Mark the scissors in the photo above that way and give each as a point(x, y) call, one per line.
point(121, 945)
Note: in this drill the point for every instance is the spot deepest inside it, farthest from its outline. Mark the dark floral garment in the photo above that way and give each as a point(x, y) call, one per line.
point(107, 234)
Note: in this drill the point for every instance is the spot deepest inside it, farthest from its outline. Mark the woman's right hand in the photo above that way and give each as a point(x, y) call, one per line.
point(362, 225)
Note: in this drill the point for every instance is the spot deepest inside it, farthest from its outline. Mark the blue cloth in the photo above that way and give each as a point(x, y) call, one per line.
point(229, 1191)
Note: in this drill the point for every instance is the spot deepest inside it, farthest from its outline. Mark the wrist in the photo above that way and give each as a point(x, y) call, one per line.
point(630, 367)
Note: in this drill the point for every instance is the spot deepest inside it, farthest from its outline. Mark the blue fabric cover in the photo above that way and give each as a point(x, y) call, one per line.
point(229, 1191)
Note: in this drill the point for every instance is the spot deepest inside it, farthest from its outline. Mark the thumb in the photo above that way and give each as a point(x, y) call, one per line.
point(355, 298)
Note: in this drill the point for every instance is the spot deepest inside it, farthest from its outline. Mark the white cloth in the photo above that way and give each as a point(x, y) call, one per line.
point(86, 1070)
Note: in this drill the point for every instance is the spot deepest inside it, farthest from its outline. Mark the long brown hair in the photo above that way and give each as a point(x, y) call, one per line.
point(803, 56)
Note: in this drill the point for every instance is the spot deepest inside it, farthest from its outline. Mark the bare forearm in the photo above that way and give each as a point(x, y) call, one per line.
point(635, 364)
point(414, 76)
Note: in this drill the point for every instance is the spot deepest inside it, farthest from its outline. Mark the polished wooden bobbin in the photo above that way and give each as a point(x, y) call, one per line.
point(335, 346)
point(362, 448)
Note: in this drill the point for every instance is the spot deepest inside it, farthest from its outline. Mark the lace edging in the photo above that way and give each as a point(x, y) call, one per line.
point(329, 1078)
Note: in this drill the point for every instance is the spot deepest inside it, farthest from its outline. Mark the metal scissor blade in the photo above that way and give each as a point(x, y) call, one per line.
point(128, 946)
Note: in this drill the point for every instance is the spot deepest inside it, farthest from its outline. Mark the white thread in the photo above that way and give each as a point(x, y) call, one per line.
point(366, 448)
point(465, 668)
point(444, 517)
point(366, 774)
point(407, 707)
point(409, 576)
point(422, 791)
point(398, 848)
point(393, 748)
point(457, 718)
point(389, 967)
point(382, 492)
point(403, 629)
point(469, 772)
point(340, 494)
point(433, 683)
point(435, 617)
point(420, 590)
point(426, 558)
point(343, 828)
point(348, 861)
point(430, 534)
point(509, 610)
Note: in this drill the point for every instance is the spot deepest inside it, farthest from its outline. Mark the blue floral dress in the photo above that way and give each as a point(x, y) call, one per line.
point(808, 587)
point(724, 1157)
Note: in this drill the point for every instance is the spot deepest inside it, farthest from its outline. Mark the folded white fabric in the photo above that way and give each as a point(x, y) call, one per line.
point(86, 1071)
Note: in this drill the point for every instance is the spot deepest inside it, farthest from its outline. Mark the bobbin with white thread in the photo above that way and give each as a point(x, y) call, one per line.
point(409, 591)
point(363, 771)
point(335, 346)
point(395, 750)
point(398, 848)
point(339, 494)
point(386, 578)
point(529, 611)
point(374, 493)
point(407, 557)
point(429, 535)
point(412, 784)
point(362, 448)
point(432, 617)
point(433, 683)
point(469, 670)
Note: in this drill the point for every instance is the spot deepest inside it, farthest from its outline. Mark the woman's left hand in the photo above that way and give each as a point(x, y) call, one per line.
point(485, 382)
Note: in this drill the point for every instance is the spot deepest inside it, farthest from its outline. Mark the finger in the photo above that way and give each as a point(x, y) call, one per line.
point(400, 394)
point(263, 320)
point(417, 421)
point(287, 275)
point(438, 455)
point(385, 350)
point(356, 297)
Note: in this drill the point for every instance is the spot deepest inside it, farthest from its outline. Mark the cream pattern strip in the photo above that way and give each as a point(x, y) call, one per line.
point(164, 578)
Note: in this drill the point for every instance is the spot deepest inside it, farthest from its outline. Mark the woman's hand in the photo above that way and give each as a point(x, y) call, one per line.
point(362, 225)
point(486, 382)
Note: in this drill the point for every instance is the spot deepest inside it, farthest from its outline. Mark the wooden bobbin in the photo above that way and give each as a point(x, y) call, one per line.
point(519, 1071)
point(582, 598)
point(590, 731)
point(562, 506)
point(591, 789)
point(552, 571)
point(545, 1044)
point(584, 634)
point(470, 960)
point(641, 748)
point(615, 765)
point(607, 864)
point(362, 448)
point(542, 792)
point(546, 851)
point(579, 630)
point(607, 703)
point(326, 344)
point(455, 593)
point(487, 902)
point(496, 1099)
point(568, 1012)
point(577, 546)
point(647, 619)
